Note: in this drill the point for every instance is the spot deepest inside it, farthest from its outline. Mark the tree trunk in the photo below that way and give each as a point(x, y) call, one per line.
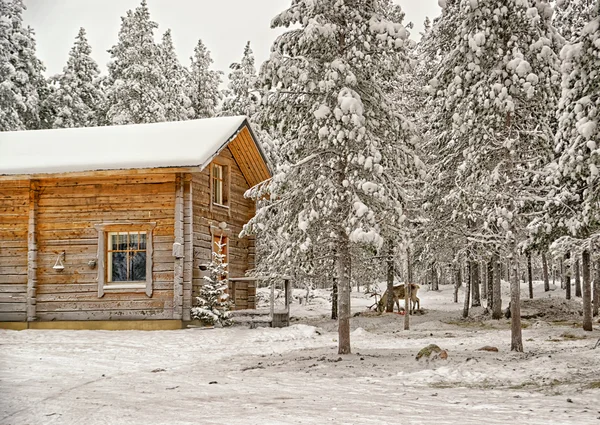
point(567, 270)
point(436, 279)
point(530, 275)
point(490, 285)
point(597, 288)
point(577, 279)
point(561, 266)
point(475, 282)
point(553, 274)
point(545, 272)
point(497, 289)
point(409, 275)
point(468, 289)
point(457, 282)
point(343, 264)
point(334, 299)
point(390, 278)
point(587, 291)
point(516, 340)
point(483, 279)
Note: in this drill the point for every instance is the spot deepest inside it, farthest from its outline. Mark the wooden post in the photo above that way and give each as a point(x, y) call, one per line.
point(178, 250)
point(32, 251)
point(188, 266)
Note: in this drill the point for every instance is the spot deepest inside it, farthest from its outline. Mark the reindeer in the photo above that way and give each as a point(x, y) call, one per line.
point(399, 293)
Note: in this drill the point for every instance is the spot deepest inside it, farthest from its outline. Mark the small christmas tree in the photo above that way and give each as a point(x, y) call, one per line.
point(213, 302)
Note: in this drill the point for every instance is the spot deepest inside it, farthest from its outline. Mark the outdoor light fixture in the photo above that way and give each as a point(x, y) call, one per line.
point(58, 265)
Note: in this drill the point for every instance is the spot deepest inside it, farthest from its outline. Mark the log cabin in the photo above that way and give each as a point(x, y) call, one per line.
point(108, 227)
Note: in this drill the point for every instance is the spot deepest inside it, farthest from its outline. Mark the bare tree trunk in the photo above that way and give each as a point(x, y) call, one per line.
point(334, 299)
point(457, 282)
point(497, 289)
point(530, 275)
point(562, 273)
point(475, 294)
point(597, 288)
point(468, 289)
point(409, 275)
point(389, 308)
point(516, 340)
point(553, 274)
point(490, 285)
point(545, 272)
point(436, 280)
point(577, 279)
point(484, 291)
point(587, 291)
point(343, 263)
point(567, 270)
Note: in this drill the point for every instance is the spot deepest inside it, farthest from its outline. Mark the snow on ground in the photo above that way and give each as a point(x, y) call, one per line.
point(295, 376)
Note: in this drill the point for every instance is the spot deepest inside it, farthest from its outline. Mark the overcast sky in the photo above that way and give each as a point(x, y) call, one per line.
point(223, 25)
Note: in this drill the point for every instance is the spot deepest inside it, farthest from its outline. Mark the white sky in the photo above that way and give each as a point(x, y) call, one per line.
point(224, 26)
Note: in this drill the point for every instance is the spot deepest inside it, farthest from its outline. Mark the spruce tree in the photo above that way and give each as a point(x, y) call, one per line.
point(345, 149)
point(241, 97)
point(176, 102)
point(23, 87)
point(77, 97)
point(213, 300)
point(571, 16)
point(136, 81)
point(203, 83)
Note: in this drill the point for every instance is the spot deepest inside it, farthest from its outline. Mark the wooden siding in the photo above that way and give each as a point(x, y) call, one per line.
point(205, 221)
point(14, 222)
point(67, 212)
point(249, 159)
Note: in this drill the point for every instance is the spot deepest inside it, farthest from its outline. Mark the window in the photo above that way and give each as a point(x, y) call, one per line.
point(125, 257)
point(220, 184)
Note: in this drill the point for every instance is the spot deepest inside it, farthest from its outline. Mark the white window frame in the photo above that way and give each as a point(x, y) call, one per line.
point(104, 285)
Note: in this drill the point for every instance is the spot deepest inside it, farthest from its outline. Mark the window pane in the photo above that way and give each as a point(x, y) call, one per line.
point(119, 267)
point(143, 241)
point(133, 241)
point(218, 172)
point(114, 241)
point(138, 266)
point(122, 246)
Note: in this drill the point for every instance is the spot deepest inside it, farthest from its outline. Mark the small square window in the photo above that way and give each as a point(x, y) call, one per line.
point(126, 257)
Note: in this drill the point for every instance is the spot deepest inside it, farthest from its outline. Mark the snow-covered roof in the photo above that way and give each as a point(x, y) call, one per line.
point(191, 143)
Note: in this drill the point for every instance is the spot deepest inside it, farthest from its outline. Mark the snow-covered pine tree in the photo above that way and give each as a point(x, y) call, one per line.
point(573, 206)
point(494, 101)
point(213, 301)
point(176, 102)
point(203, 83)
point(77, 97)
point(346, 150)
point(241, 96)
point(22, 85)
point(570, 17)
point(135, 92)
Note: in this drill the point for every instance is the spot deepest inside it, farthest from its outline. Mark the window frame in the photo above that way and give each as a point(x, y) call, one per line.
point(225, 181)
point(104, 285)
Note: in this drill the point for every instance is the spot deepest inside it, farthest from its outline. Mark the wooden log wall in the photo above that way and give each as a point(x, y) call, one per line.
point(68, 209)
point(239, 212)
point(14, 223)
